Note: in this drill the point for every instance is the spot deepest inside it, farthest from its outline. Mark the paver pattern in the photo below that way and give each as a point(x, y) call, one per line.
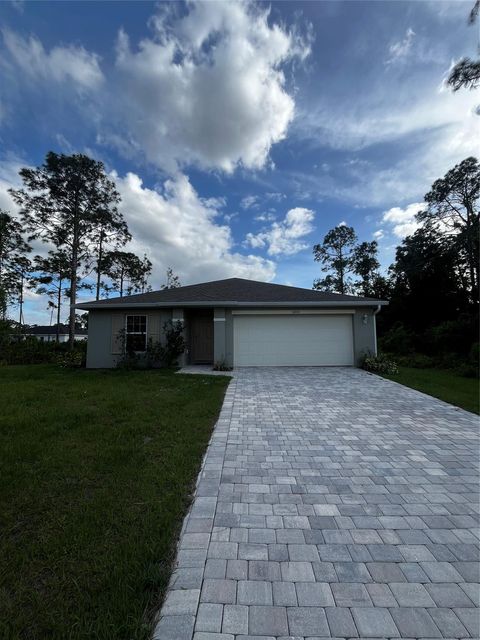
point(331, 503)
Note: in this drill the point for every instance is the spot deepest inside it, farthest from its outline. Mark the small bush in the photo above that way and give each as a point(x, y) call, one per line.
point(157, 354)
point(380, 364)
point(32, 351)
point(72, 359)
point(174, 343)
point(221, 365)
point(132, 360)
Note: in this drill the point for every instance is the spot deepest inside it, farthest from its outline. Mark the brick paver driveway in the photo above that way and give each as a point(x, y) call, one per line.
point(332, 503)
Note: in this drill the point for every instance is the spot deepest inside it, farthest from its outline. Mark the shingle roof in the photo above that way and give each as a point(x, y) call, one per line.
point(232, 292)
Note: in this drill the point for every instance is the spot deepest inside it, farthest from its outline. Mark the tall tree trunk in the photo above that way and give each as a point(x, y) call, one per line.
point(471, 270)
point(3, 308)
point(471, 257)
point(121, 283)
point(73, 300)
point(3, 302)
point(340, 272)
point(73, 278)
point(99, 265)
point(20, 318)
point(59, 302)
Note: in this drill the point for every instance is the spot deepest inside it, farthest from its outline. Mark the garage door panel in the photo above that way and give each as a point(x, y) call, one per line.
point(307, 340)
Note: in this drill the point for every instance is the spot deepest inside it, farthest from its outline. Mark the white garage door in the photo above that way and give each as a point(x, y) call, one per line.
point(293, 340)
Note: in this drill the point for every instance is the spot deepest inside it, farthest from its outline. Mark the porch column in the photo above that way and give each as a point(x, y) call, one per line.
point(219, 338)
point(178, 316)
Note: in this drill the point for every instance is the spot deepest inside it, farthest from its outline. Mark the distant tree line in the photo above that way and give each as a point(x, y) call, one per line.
point(433, 284)
point(71, 206)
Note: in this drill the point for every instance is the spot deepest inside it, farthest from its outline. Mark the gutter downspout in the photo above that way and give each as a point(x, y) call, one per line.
point(379, 306)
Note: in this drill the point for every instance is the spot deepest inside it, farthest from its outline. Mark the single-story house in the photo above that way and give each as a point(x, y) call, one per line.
point(49, 333)
point(239, 323)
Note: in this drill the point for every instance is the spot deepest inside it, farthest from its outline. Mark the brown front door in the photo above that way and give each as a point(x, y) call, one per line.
point(201, 339)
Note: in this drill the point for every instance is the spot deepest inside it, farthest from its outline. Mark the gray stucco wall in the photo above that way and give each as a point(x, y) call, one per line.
point(229, 338)
point(364, 334)
point(99, 353)
point(102, 352)
point(219, 336)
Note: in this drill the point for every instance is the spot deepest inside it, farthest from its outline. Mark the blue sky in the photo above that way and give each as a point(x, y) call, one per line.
point(240, 133)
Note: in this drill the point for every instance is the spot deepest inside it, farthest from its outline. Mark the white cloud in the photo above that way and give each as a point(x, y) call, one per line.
point(64, 144)
point(342, 224)
point(249, 202)
point(403, 220)
point(268, 216)
point(284, 237)
point(424, 128)
point(208, 88)
point(397, 214)
point(214, 203)
point(401, 49)
point(228, 217)
point(60, 64)
point(9, 178)
point(379, 234)
point(452, 136)
point(35, 309)
point(276, 196)
point(253, 202)
point(177, 228)
point(405, 229)
point(379, 119)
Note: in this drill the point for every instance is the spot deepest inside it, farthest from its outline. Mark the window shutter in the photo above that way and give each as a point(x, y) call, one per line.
point(153, 327)
point(118, 325)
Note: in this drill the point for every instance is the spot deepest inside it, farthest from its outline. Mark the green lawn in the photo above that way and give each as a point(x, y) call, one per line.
point(460, 391)
point(96, 472)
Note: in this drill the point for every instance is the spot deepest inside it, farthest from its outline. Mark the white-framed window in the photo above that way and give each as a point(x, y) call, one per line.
point(135, 334)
